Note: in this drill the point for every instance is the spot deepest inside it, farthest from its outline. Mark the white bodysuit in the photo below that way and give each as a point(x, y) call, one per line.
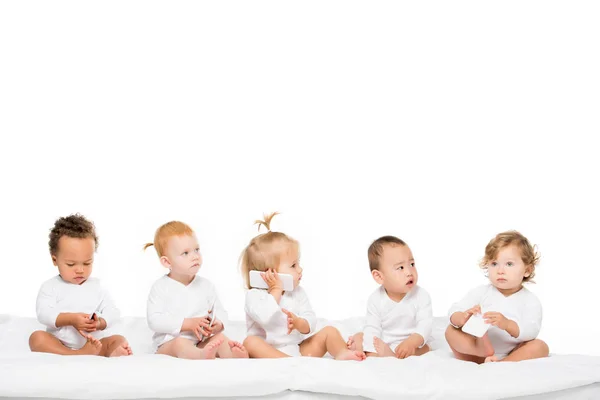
point(265, 319)
point(170, 302)
point(57, 296)
point(523, 307)
point(394, 322)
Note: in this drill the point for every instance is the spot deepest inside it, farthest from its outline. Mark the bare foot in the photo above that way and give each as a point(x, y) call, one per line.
point(486, 346)
point(383, 350)
point(209, 351)
point(122, 350)
point(91, 348)
point(491, 359)
point(238, 350)
point(354, 355)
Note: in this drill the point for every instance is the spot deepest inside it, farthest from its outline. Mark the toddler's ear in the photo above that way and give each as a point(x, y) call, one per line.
point(165, 262)
point(54, 261)
point(527, 271)
point(377, 276)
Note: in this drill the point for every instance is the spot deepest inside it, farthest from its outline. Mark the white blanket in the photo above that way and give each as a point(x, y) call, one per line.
point(433, 376)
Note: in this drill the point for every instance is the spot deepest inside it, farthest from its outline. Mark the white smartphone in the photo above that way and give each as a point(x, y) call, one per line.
point(475, 326)
point(257, 281)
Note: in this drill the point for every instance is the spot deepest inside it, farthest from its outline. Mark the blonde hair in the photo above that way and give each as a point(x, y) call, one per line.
point(265, 250)
point(529, 255)
point(167, 231)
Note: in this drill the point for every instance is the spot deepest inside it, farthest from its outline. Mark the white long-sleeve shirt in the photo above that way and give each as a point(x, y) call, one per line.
point(57, 296)
point(523, 307)
point(265, 319)
point(393, 322)
point(170, 302)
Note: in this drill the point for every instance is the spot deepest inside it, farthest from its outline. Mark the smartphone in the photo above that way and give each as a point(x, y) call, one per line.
point(257, 281)
point(213, 316)
point(475, 326)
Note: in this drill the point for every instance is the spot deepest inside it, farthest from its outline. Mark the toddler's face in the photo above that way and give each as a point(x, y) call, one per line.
point(290, 264)
point(75, 258)
point(507, 271)
point(182, 255)
point(397, 268)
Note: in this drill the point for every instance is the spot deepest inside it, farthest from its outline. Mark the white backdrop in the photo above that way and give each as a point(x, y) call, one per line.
point(441, 123)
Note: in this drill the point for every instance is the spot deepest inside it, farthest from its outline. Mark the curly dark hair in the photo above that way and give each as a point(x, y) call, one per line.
point(74, 226)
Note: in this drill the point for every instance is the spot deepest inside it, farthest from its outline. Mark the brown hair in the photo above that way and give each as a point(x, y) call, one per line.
point(165, 232)
point(529, 255)
point(376, 249)
point(264, 251)
point(73, 226)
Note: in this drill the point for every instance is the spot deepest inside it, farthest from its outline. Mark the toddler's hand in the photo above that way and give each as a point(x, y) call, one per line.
point(217, 327)
point(200, 327)
point(272, 279)
point(83, 323)
point(471, 311)
point(474, 310)
point(292, 319)
point(350, 343)
point(404, 350)
point(496, 319)
point(460, 318)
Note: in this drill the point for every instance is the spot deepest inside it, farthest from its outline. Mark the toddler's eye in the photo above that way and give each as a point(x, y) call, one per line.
point(510, 264)
point(197, 250)
point(71, 265)
point(400, 267)
point(185, 253)
point(494, 264)
point(412, 264)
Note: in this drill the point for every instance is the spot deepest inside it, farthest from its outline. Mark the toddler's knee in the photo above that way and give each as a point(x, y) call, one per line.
point(250, 341)
point(36, 339)
point(540, 347)
point(331, 330)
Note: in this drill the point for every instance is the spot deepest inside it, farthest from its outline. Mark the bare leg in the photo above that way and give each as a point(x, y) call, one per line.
point(423, 350)
point(329, 340)
point(258, 348)
point(467, 347)
point(44, 342)
point(115, 346)
point(184, 348)
point(227, 349)
point(528, 351)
